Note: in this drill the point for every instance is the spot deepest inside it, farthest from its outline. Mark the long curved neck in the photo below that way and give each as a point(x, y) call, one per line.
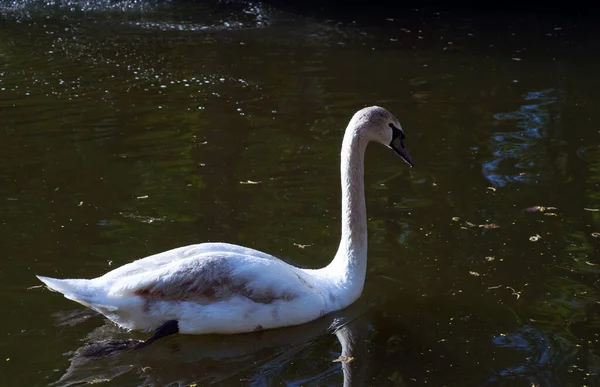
point(349, 265)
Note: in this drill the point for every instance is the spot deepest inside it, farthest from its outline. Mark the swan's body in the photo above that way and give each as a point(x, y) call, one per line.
point(224, 288)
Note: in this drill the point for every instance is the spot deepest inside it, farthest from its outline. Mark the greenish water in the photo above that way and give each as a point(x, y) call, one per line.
point(128, 128)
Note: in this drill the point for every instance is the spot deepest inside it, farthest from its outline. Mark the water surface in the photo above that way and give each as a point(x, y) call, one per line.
point(131, 127)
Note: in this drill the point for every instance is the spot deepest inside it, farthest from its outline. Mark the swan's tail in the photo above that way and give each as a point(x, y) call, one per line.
point(78, 290)
point(124, 311)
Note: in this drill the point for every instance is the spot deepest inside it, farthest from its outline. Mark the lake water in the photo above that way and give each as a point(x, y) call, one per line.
point(132, 127)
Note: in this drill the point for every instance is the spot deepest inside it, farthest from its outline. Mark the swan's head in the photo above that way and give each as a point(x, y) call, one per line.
point(378, 124)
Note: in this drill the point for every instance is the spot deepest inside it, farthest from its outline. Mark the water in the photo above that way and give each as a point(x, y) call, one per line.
point(132, 127)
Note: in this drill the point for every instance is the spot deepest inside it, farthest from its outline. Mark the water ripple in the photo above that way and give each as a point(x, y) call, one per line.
point(544, 353)
point(522, 155)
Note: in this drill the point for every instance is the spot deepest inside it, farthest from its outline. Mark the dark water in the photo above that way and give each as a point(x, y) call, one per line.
point(132, 127)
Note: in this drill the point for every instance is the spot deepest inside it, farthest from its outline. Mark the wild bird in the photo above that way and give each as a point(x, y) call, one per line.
point(224, 288)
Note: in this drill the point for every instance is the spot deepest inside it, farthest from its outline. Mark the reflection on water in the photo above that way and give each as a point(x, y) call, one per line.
point(540, 354)
point(523, 154)
point(132, 127)
point(225, 360)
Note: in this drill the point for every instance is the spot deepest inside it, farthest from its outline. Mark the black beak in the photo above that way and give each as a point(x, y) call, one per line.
point(397, 145)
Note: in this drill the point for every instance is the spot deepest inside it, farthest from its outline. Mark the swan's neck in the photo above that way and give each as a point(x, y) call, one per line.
point(348, 268)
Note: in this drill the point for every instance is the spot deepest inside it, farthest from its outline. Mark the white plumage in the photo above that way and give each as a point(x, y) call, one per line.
point(224, 288)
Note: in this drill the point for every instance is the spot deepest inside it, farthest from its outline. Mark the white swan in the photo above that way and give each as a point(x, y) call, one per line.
point(224, 288)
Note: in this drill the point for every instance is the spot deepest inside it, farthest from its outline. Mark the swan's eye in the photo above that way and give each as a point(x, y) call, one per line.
point(397, 132)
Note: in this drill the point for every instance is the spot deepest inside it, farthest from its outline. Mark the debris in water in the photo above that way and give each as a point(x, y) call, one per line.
point(142, 197)
point(301, 246)
point(596, 234)
point(470, 224)
point(592, 209)
point(250, 182)
point(490, 259)
point(99, 380)
point(535, 238)
point(539, 209)
point(515, 293)
point(344, 359)
point(474, 273)
point(489, 225)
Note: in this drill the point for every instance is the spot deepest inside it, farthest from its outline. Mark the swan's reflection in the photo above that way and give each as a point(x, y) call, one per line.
point(254, 358)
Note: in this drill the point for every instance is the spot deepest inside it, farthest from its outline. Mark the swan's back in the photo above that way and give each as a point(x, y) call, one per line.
point(156, 261)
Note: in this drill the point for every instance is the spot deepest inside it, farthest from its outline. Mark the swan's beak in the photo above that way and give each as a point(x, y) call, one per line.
point(397, 146)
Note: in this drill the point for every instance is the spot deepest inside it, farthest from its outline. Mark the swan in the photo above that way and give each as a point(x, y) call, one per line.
point(225, 289)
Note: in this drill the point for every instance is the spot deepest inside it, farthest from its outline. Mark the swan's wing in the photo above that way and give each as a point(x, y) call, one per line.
point(156, 261)
point(209, 278)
